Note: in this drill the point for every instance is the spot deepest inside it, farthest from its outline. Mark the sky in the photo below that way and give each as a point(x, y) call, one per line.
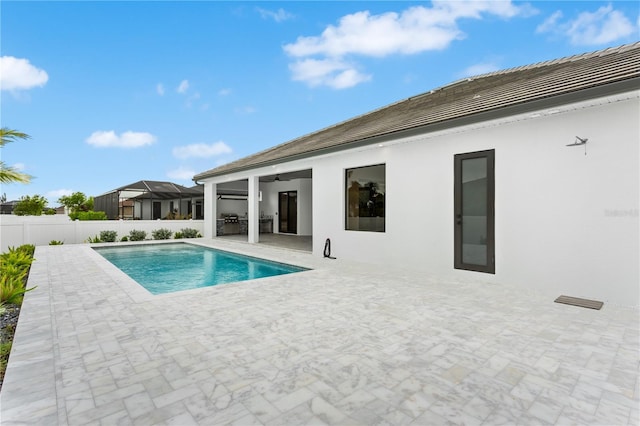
point(116, 92)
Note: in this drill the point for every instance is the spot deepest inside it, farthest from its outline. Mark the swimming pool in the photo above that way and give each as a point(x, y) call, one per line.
point(166, 268)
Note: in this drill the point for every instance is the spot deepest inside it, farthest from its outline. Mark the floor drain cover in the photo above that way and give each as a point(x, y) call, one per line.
point(576, 301)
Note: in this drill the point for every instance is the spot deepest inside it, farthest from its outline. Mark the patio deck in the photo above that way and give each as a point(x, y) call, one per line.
point(293, 242)
point(345, 343)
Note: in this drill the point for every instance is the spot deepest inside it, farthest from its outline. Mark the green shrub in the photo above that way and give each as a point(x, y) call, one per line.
point(5, 350)
point(125, 238)
point(178, 235)
point(14, 269)
point(12, 288)
point(50, 212)
point(108, 236)
point(28, 249)
point(135, 235)
point(16, 260)
point(11, 269)
point(190, 233)
point(95, 239)
point(30, 206)
point(90, 215)
point(162, 234)
point(56, 243)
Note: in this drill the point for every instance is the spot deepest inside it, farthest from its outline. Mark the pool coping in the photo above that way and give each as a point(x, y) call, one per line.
point(138, 293)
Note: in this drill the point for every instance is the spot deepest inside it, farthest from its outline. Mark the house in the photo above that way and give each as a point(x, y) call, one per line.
point(147, 199)
point(8, 206)
point(527, 176)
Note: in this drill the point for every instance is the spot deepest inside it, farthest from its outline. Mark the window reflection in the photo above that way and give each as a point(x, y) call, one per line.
point(365, 189)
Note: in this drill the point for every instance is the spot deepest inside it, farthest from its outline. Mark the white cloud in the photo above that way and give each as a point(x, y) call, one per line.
point(57, 193)
point(327, 72)
point(550, 23)
point(181, 173)
point(19, 167)
point(191, 99)
point(320, 59)
point(19, 74)
point(160, 89)
point(605, 25)
point(202, 150)
point(478, 69)
point(279, 15)
point(246, 110)
point(107, 139)
point(224, 92)
point(183, 86)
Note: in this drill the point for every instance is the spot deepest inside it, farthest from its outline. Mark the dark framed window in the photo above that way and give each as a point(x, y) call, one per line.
point(365, 198)
point(474, 221)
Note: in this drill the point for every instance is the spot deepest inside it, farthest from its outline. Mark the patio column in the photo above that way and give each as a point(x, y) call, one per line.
point(210, 201)
point(254, 209)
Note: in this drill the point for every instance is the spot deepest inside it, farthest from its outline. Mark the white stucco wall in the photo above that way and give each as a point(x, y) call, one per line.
point(305, 207)
point(565, 222)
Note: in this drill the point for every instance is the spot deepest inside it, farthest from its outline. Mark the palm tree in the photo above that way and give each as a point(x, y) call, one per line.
point(9, 174)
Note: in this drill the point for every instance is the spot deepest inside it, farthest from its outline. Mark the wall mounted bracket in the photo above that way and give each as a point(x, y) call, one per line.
point(580, 141)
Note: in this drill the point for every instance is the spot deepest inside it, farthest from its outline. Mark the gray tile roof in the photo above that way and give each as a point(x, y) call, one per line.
point(470, 97)
point(159, 188)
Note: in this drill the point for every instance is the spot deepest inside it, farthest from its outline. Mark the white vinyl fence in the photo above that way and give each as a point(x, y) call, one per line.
point(40, 230)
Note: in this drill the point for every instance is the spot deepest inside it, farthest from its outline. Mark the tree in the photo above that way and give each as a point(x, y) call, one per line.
point(73, 202)
point(30, 206)
point(9, 174)
point(76, 202)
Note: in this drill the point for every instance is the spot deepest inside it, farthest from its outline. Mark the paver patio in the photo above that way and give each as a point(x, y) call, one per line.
point(344, 343)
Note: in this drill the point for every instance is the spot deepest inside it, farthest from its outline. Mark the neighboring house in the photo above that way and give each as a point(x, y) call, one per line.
point(8, 206)
point(527, 176)
point(151, 200)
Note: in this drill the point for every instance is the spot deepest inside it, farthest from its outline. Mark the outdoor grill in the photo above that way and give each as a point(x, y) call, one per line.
point(231, 218)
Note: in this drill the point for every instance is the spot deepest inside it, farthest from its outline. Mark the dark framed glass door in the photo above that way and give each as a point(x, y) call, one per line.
point(474, 223)
point(288, 212)
point(157, 210)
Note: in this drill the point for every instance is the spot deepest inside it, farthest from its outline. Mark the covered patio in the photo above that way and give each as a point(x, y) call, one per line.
point(273, 207)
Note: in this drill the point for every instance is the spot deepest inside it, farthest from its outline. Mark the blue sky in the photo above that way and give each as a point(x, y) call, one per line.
point(116, 92)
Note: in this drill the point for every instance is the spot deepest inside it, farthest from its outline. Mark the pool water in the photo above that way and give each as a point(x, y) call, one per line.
point(166, 268)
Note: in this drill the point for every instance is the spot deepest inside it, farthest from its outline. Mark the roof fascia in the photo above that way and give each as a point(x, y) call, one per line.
point(610, 89)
